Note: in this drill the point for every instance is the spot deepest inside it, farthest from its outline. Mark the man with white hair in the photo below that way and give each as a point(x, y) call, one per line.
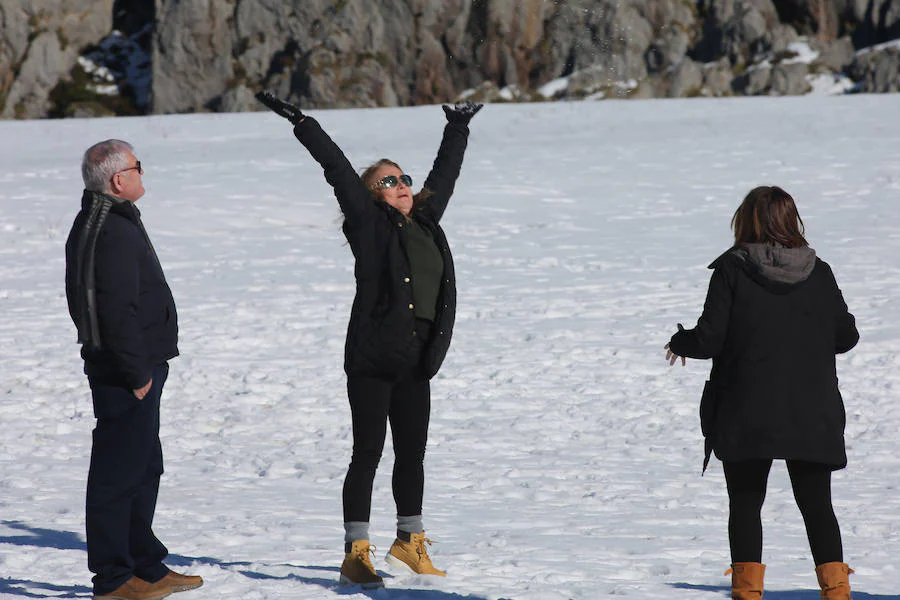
point(127, 325)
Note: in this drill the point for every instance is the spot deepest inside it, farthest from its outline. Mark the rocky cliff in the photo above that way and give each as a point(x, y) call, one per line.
point(97, 57)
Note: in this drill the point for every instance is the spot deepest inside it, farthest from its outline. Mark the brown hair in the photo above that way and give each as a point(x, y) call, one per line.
point(368, 179)
point(768, 215)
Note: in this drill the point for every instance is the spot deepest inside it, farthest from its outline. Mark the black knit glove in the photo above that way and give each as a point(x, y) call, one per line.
point(461, 112)
point(280, 107)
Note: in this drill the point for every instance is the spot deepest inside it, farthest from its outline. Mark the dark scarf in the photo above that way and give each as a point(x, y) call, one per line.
point(96, 206)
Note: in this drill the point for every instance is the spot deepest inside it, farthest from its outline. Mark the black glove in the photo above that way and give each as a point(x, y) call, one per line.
point(280, 107)
point(462, 112)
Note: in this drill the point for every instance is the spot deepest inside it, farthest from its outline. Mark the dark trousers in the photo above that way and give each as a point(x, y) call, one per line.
point(811, 483)
point(123, 481)
point(407, 405)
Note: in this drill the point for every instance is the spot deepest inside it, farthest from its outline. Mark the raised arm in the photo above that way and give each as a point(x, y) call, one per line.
point(352, 196)
point(442, 178)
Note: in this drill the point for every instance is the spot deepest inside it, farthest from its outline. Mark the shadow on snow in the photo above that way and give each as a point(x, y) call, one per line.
point(66, 540)
point(27, 589)
point(725, 592)
point(41, 538)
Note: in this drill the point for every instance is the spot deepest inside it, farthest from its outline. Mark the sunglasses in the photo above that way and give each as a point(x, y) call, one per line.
point(392, 181)
point(137, 167)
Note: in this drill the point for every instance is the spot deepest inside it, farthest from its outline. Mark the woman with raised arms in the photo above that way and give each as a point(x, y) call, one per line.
point(400, 326)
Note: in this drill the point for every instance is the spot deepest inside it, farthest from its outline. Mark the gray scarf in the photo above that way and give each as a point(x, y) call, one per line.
point(88, 325)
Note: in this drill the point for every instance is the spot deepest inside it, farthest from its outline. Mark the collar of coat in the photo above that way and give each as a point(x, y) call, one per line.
point(117, 205)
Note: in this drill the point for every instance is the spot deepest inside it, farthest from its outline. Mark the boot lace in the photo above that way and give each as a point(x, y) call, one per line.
point(422, 551)
point(363, 556)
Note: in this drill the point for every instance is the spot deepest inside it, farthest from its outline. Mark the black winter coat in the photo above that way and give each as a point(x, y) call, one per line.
point(382, 321)
point(117, 293)
point(773, 389)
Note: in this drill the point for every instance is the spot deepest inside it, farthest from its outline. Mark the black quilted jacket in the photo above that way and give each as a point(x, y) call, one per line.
point(382, 320)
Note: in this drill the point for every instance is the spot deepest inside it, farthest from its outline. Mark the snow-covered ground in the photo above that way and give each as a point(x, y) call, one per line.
point(564, 459)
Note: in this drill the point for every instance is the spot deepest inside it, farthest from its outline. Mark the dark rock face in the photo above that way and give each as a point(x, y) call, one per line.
point(192, 54)
point(40, 43)
point(63, 57)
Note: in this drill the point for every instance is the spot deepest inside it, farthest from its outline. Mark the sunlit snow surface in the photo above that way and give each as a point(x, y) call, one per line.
point(564, 459)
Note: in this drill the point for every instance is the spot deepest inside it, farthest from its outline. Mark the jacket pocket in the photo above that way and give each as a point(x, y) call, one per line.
point(111, 401)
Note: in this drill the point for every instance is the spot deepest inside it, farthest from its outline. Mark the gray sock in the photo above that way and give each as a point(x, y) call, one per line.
point(412, 524)
point(355, 531)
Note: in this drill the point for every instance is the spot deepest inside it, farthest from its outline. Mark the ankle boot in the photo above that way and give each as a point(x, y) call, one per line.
point(357, 568)
point(834, 580)
point(412, 556)
point(747, 580)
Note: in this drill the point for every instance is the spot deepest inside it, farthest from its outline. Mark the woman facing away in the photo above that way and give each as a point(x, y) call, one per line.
point(400, 326)
point(773, 321)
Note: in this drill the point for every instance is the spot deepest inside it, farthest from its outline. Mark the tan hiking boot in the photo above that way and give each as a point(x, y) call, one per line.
point(138, 589)
point(182, 583)
point(412, 556)
point(357, 567)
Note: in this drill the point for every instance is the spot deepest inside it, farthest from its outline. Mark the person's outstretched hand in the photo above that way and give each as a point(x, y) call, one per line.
point(461, 112)
point(280, 107)
point(671, 357)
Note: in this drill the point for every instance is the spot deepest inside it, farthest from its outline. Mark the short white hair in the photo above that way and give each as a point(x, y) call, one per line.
point(103, 160)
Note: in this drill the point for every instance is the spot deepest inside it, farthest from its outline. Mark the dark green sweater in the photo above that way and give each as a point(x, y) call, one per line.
point(427, 269)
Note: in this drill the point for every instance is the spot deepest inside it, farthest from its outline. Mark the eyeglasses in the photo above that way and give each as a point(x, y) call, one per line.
point(137, 167)
point(392, 181)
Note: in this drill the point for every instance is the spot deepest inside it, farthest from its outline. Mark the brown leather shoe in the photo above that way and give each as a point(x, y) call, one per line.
point(182, 583)
point(138, 589)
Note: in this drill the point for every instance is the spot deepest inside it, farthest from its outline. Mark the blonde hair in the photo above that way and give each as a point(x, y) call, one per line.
point(368, 179)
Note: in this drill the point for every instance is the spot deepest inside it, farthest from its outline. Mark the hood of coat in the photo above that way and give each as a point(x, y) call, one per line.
point(776, 268)
point(778, 264)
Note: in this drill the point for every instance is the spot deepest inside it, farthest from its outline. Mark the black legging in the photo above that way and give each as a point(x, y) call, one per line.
point(407, 404)
point(811, 483)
